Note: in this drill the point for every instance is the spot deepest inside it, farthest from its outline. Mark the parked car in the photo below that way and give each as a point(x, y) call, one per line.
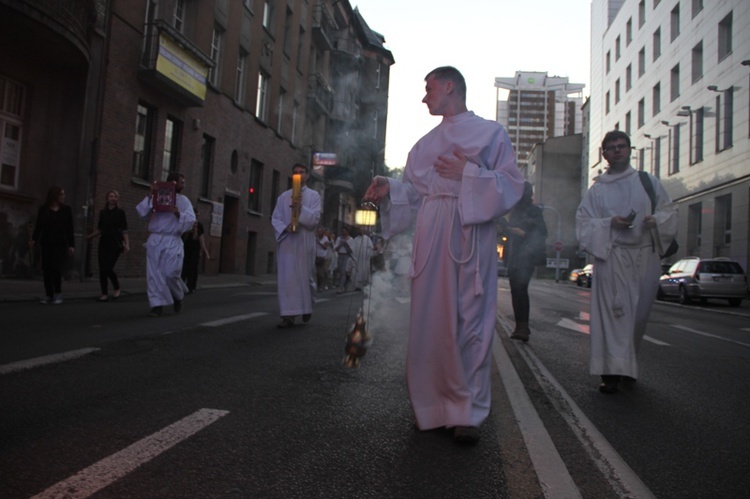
point(695, 278)
point(573, 275)
point(585, 275)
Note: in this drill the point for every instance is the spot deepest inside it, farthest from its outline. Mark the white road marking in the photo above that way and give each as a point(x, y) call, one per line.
point(571, 324)
point(655, 341)
point(709, 335)
point(47, 359)
point(110, 469)
point(623, 480)
point(549, 466)
point(230, 320)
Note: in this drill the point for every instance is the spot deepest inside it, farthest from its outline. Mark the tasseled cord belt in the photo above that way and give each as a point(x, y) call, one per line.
point(478, 288)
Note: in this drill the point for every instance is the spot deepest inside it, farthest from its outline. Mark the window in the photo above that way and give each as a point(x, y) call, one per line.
point(627, 122)
point(207, 161)
point(657, 44)
point(248, 4)
point(172, 138)
point(179, 15)
point(641, 112)
point(725, 37)
point(300, 42)
point(697, 62)
point(697, 7)
point(606, 104)
point(641, 158)
point(617, 91)
point(280, 112)
point(11, 111)
point(641, 62)
point(213, 74)
point(657, 157)
point(629, 32)
point(656, 98)
point(674, 22)
point(256, 186)
point(674, 166)
point(617, 49)
point(268, 12)
point(723, 221)
point(697, 118)
point(275, 187)
point(288, 32)
point(674, 84)
point(239, 80)
point(142, 147)
point(629, 77)
point(695, 227)
point(641, 13)
point(295, 113)
point(728, 117)
point(261, 102)
point(607, 62)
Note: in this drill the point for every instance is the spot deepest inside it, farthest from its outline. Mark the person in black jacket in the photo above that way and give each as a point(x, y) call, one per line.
point(53, 232)
point(527, 234)
point(113, 229)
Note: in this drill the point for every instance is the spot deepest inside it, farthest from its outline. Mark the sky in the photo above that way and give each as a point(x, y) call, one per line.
point(483, 39)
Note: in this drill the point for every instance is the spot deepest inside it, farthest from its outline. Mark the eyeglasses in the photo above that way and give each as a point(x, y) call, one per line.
point(617, 147)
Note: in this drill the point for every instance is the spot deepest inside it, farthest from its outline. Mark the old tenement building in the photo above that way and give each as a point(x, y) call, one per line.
point(98, 95)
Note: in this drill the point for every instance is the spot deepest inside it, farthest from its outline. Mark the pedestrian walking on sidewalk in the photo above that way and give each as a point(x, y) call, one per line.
point(195, 245)
point(53, 233)
point(113, 241)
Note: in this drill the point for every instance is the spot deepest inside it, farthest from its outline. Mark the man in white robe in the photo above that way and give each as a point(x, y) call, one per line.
point(164, 247)
point(626, 262)
point(458, 179)
point(362, 256)
point(295, 251)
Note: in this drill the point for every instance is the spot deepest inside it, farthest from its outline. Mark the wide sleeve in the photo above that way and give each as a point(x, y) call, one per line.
point(595, 234)
point(309, 215)
point(187, 214)
point(492, 189)
point(665, 215)
point(281, 216)
point(144, 208)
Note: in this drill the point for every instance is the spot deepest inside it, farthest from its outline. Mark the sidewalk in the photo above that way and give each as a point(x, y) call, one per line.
point(17, 290)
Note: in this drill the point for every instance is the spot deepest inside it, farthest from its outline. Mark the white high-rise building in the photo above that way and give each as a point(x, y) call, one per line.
point(538, 107)
point(675, 76)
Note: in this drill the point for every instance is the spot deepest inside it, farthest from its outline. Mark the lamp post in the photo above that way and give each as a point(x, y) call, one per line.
point(557, 252)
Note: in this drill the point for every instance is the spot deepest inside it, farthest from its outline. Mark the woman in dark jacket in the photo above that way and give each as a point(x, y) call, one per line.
point(53, 232)
point(113, 229)
point(527, 234)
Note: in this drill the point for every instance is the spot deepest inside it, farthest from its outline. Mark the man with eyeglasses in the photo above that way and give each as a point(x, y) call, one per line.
point(615, 225)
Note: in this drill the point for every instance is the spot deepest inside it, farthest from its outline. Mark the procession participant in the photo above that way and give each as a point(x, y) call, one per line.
point(343, 250)
point(164, 247)
point(458, 178)
point(296, 250)
point(625, 258)
point(113, 229)
point(322, 244)
point(194, 242)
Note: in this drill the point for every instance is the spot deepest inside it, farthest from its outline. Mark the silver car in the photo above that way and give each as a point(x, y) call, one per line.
point(695, 278)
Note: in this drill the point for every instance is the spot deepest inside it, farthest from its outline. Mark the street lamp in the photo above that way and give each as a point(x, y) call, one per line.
point(557, 251)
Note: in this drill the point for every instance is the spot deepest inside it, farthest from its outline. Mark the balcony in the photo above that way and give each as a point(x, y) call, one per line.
point(323, 26)
point(346, 55)
point(319, 94)
point(172, 64)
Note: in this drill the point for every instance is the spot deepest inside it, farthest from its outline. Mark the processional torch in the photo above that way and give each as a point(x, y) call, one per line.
point(296, 200)
point(358, 340)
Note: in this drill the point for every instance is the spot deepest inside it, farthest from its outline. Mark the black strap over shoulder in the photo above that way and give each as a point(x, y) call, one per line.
point(649, 189)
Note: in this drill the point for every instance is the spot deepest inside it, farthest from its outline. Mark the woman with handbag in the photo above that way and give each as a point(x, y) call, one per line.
point(113, 229)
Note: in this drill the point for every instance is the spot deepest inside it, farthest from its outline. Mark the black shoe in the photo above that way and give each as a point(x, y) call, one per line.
point(155, 312)
point(609, 384)
point(177, 306)
point(306, 317)
point(467, 435)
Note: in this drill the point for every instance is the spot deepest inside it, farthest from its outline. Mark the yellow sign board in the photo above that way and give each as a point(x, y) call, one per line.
point(181, 67)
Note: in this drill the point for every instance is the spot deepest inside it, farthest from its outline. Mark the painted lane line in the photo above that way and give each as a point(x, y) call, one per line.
point(655, 341)
point(550, 468)
point(709, 335)
point(570, 324)
point(47, 359)
point(110, 469)
point(230, 320)
point(621, 477)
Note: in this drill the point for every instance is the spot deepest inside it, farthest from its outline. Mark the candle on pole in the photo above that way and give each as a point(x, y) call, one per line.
point(296, 200)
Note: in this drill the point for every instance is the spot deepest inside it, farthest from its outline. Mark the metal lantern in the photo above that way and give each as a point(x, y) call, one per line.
point(366, 215)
